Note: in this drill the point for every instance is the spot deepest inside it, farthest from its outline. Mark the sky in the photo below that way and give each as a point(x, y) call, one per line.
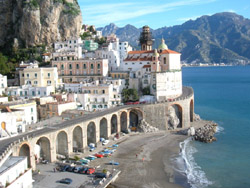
point(155, 13)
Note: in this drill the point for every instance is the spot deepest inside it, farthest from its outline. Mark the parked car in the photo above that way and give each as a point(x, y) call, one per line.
point(115, 145)
point(45, 161)
point(64, 168)
point(99, 155)
point(70, 169)
point(91, 148)
point(91, 158)
point(113, 163)
point(102, 139)
point(66, 181)
point(100, 175)
point(90, 171)
point(136, 102)
point(105, 142)
point(84, 160)
point(129, 103)
point(77, 169)
point(83, 170)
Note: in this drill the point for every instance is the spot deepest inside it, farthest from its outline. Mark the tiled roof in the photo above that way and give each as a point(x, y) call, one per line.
point(146, 66)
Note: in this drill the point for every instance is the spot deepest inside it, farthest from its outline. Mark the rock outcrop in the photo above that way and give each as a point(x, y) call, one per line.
point(173, 119)
point(206, 133)
point(146, 128)
point(36, 22)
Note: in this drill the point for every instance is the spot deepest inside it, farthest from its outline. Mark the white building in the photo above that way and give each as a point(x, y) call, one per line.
point(114, 51)
point(72, 45)
point(160, 69)
point(15, 173)
point(99, 96)
point(12, 122)
point(124, 48)
point(28, 106)
point(27, 91)
point(3, 84)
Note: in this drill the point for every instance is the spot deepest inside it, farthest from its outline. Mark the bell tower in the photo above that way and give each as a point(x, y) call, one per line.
point(146, 41)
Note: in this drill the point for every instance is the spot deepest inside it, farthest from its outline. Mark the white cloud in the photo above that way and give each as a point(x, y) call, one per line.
point(102, 14)
point(230, 10)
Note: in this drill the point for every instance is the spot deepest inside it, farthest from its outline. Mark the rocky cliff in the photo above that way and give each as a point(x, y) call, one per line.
point(35, 22)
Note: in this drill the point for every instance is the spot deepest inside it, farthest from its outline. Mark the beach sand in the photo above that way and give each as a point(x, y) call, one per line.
point(159, 151)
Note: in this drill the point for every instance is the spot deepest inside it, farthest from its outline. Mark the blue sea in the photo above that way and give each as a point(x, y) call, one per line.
point(222, 94)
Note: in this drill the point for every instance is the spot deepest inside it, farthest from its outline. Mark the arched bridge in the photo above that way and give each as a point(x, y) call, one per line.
point(76, 134)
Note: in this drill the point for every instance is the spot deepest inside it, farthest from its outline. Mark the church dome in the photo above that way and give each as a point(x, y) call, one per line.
point(163, 46)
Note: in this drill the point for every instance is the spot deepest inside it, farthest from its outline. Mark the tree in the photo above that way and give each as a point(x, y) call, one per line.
point(4, 69)
point(130, 95)
point(146, 91)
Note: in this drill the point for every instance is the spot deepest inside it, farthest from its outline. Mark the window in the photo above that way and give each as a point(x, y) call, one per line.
point(70, 72)
point(31, 109)
point(114, 96)
point(70, 66)
point(35, 82)
point(95, 99)
point(21, 93)
point(165, 60)
point(103, 91)
point(84, 66)
point(38, 92)
point(28, 75)
point(103, 100)
point(92, 66)
point(48, 74)
point(48, 82)
point(33, 93)
point(98, 66)
point(77, 66)
point(22, 75)
point(62, 67)
point(55, 65)
point(36, 75)
point(25, 93)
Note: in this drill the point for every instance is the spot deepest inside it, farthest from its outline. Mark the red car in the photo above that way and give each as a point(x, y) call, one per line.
point(90, 171)
point(129, 103)
point(136, 102)
point(99, 155)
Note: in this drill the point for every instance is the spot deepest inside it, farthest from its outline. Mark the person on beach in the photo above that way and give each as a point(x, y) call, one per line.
point(136, 155)
point(143, 159)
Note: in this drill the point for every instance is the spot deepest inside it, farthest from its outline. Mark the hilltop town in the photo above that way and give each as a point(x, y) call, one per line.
point(88, 78)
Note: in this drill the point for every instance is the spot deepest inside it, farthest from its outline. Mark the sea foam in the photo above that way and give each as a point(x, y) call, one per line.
point(195, 176)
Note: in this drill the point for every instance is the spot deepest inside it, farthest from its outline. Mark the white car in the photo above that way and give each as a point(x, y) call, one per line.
point(105, 142)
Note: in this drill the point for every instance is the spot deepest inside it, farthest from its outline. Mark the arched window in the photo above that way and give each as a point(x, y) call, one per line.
point(62, 67)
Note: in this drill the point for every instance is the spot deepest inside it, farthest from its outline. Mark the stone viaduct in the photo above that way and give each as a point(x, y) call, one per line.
point(74, 135)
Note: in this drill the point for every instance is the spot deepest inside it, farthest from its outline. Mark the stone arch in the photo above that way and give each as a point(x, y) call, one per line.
point(123, 122)
point(175, 118)
point(114, 124)
point(91, 133)
point(62, 143)
point(44, 149)
point(191, 110)
point(104, 128)
point(77, 139)
point(135, 117)
point(25, 151)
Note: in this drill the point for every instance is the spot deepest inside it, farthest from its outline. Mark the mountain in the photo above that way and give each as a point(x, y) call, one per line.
point(220, 38)
point(35, 22)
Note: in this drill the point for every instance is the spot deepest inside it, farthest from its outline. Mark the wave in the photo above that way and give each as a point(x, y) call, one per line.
point(219, 129)
point(195, 176)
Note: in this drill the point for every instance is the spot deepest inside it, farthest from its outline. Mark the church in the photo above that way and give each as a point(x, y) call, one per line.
point(159, 69)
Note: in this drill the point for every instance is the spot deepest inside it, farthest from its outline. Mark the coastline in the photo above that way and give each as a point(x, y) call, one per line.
point(159, 168)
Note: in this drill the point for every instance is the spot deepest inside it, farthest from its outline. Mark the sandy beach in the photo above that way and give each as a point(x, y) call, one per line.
point(159, 151)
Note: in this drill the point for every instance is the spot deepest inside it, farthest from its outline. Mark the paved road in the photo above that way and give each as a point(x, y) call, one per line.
point(4, 144)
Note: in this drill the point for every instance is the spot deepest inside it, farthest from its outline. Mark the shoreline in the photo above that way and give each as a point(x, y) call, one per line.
point(159, 167)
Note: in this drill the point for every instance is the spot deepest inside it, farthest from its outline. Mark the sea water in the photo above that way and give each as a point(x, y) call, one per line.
point(222, 94)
